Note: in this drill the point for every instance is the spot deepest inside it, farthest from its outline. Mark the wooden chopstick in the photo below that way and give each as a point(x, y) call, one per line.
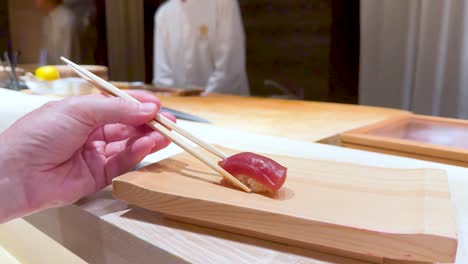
point(109, 88)
point(158, 125)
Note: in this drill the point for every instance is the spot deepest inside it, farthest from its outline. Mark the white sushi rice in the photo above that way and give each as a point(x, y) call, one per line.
point(253, 184)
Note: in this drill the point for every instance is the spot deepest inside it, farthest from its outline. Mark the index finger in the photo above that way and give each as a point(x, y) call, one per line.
point(144, 96)
point(140, 95)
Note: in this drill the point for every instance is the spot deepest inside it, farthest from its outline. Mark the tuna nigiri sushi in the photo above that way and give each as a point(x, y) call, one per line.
point(260, 173)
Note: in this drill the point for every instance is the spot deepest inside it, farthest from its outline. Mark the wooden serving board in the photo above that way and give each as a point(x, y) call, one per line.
point(437, 139)
point(368, 213)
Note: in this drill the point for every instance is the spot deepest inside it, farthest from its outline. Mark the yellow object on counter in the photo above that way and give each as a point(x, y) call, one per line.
point(47, 73)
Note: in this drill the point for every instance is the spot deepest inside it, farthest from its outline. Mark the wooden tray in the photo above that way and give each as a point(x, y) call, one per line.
point(443, 140)
point(355, 211)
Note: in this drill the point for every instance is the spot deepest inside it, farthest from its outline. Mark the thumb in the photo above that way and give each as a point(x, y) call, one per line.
point(97, 111)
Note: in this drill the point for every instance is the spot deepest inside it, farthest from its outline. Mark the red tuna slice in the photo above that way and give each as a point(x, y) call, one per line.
point(269, 173)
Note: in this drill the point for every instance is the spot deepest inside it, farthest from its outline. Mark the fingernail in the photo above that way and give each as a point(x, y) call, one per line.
point(148, 107)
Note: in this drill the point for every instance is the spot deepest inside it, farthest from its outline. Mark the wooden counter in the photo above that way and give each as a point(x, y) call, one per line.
point(293, 119)
point(101, 229)
point(299, 120)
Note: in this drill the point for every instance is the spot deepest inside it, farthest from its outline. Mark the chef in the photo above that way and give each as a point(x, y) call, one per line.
point(200, 43)
point(59, 32)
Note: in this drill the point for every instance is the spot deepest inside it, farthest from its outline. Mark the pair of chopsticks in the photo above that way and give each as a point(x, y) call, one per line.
point(160, 124)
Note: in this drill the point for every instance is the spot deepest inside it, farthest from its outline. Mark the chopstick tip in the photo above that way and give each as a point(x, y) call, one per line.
point(64, 59)
point(244, 187)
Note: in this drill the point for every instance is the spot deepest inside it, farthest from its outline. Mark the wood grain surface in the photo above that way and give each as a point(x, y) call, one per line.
point(404, 154)
point(103, 230)
point(429, 138)
point(21, 242)
point(300, 120)
point(389, 214)
point(293, 119)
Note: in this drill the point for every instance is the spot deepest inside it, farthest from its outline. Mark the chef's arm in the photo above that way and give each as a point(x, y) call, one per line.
point(162, 72)
point(229, 52)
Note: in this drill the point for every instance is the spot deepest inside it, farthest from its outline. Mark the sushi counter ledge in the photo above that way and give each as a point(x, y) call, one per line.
point(298, 120)
point(101, 229)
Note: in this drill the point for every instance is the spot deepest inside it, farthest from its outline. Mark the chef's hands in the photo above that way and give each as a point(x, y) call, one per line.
point(71, 148)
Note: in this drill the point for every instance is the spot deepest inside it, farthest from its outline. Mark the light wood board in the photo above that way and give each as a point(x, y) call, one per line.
point(442, 139)
point(306, 120)
point(404, 154)
point(355, 211)
point(20, 242)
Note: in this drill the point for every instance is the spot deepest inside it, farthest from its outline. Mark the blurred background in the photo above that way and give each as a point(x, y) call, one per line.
point(307, 49)
point(407, 54)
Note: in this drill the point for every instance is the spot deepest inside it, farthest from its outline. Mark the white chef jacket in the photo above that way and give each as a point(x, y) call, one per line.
point(59, 32)
point(200, 43)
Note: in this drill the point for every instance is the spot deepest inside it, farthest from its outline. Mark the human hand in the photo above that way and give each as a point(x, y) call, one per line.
point(72, 148)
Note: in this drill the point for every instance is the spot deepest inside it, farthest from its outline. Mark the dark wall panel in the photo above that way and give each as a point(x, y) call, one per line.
point(344, 51)
point(288, 42)
point(4, 26)
point(150, 7)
